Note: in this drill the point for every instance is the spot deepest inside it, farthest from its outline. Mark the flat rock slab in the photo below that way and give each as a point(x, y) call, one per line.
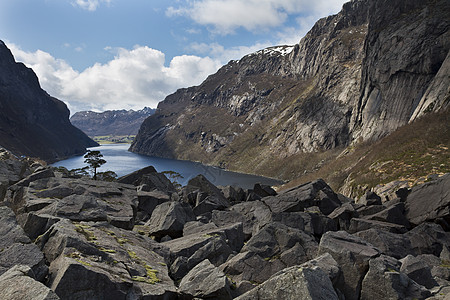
point(18, 283)
point(16, 247)
point(98, 260)
point(75, 199)
point(294, 283)
point(353, 255)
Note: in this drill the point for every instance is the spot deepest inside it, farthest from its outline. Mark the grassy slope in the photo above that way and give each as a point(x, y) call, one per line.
point(411, 153)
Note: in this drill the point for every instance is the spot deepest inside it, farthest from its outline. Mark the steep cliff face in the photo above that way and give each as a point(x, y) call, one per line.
point(357, 75)
point(33, 123)
point(111, 122)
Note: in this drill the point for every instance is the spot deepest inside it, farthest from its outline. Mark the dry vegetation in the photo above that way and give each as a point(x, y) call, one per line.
point(411, 153)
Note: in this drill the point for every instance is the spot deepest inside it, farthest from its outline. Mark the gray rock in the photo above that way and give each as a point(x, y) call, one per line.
point(343, 214)
point(392, 214)
point(385, 281)
point(276, 238)
point(264, 190)
point(294, 283)
point(249, 266)
point(150, 177)
point(357, 224)
point(253, 215)
point(148, 201)
point(327, 263)
point(390, 244)
point(169, 218)
point(316, 193)
point(429, 201)
point(233, 193)
point(16, 247)
point(428, 238)
point(98, 260)
point(205, 281)
point(353, 255)
point(370, 198)
point(418, 270)
point(204, 196)
point(18, 283)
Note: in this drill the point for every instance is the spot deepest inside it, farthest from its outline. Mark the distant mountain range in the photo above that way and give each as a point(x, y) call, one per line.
point(355, 77)
point(111, 122)
point(32, 123)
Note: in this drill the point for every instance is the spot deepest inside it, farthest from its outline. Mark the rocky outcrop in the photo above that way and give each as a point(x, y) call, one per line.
point(357, 75)
point(111, 122)
point(33, 123)
point(76, 238)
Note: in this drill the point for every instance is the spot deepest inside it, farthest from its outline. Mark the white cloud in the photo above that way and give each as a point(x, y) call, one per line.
point(90, 5)
point(133, 79)
point(225, 16)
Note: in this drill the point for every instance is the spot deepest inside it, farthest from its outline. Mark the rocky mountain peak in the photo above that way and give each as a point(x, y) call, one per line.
point(32, 122)
point(356, 76)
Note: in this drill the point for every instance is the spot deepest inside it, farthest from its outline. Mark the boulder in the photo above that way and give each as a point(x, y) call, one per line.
point(148, 201)
point(392, 214)
point(342, 215)
point(150, 177)
point(418, 270)
point(299, 283)
point(385, 281)
point(275, 238)
point(169, 218)
point(253, 215)
point(98, 260)
point(390, 244)
point(264, 190)
point(234, 194)
point(353, 255)
point(75, 199)
point(370, 198)
point(316, 193)
point(216, 245)
point(429, 202)
point(204, 196)
point(250, 267)
point(327, 263)
point(18, 283)
point(428, 238)
point(357, 224)
point(16, 248)
point(205, 281)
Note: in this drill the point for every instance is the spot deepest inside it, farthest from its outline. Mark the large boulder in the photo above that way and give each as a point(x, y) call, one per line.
point(299, 283)
point(205, 281)
point(18, 283)
point(418, 270)
point(204, 196)
point(150, 177)
point(274, 239)
point(390, 244)
point(98, 260)
point(16, 248)
point(74, 199)
point(316, 193)
point(353, 255)
point(169, 218)
point(384, 280)
point(430, 202)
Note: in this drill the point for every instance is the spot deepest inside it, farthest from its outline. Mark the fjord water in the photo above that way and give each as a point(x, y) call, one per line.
point(121, 161)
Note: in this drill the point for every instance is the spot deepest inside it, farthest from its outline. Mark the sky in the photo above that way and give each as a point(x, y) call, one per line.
point(128, 54)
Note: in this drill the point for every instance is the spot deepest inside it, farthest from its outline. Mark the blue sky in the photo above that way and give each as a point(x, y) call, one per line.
point(127, 54)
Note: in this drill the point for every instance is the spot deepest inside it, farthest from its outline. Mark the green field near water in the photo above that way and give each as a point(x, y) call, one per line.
point(112, 139)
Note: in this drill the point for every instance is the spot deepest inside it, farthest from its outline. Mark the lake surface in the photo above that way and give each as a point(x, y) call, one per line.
point(121, 161)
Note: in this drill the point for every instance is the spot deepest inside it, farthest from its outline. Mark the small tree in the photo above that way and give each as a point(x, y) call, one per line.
point(94, 160)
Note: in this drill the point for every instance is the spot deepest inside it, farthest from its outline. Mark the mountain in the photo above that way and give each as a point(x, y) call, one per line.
point(356, 76)
point(33, 123)
point(111, 122)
